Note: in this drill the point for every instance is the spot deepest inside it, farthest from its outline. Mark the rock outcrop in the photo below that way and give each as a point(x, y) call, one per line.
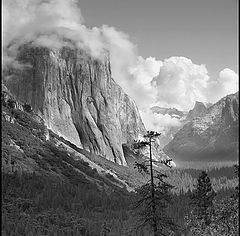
point(7, 117)
point(77, 98)
point(213, 136)
point(199, 110)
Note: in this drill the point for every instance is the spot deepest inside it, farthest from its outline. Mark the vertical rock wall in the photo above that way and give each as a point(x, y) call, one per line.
point(78, 99)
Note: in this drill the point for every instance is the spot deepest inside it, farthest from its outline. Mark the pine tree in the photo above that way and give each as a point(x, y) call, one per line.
point(153, 198)
point(202, 198)
point(224, 218)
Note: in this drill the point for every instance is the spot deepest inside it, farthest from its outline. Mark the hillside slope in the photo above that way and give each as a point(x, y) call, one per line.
point(214, 136)
point(48, 189)
point(28, 147)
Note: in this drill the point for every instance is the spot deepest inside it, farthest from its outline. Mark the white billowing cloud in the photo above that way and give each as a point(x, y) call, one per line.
point(122, 55)
point(229, 80)
point(142, 73)
point(26, 20)
point(180, 83)
point(146, 69)
point(159, 122)
point(36, 21)
point(52, 23)
point(226, 83)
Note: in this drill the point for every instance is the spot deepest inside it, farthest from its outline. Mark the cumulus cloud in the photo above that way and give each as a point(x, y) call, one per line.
point(229, 80)
point(159, 122)
point(142, 74)
point(146, 69)
point(226, 83)
point(180, 83)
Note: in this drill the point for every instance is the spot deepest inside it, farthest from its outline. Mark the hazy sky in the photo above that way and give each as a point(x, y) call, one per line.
point(206, 31)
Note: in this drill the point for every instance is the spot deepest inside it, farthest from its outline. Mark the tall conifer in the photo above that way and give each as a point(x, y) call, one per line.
point(202, 198)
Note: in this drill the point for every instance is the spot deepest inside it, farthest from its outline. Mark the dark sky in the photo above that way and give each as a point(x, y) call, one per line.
point(205, 31)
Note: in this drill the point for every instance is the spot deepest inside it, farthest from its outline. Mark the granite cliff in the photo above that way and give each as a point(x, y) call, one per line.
point(212, 136)
point(77, 99)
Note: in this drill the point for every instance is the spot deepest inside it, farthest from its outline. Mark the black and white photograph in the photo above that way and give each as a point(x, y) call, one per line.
point(120, 118)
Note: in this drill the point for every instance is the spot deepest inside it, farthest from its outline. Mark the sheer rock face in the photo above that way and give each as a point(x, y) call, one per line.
point(212, 136)
point(78, 99)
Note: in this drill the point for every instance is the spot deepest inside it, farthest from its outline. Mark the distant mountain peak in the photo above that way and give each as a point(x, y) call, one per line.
point(198, 110)
point(173, 112)
point(212, 136)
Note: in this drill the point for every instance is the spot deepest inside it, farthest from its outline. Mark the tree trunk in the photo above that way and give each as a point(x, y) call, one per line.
point(154, 223)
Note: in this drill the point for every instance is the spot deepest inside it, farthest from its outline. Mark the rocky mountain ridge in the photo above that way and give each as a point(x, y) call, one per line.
point(210, 136)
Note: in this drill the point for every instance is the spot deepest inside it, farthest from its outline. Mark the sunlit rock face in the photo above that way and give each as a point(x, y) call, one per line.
point(77, 98)
point(213, 136)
